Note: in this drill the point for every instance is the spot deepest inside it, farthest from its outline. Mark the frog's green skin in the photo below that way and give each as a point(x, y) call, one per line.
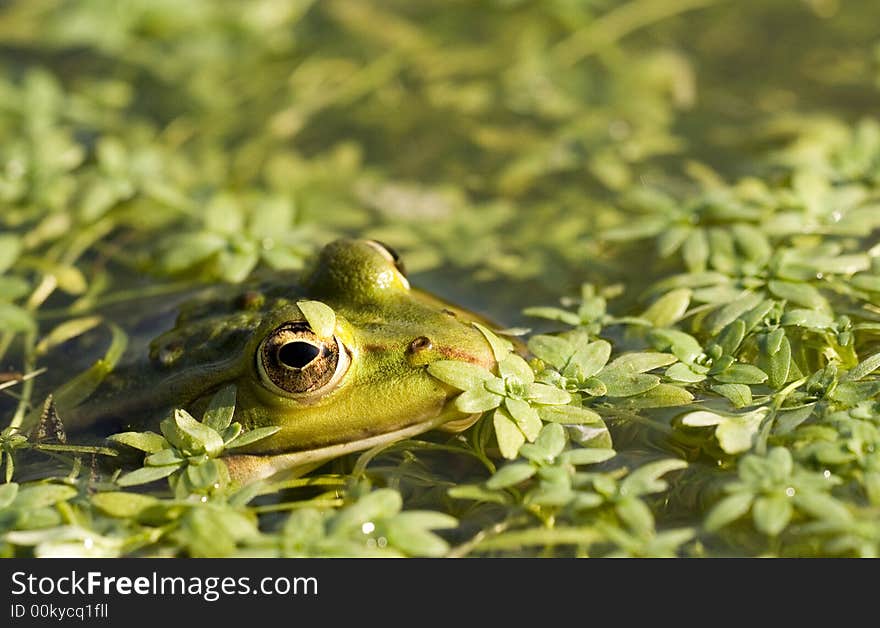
point(389, 331)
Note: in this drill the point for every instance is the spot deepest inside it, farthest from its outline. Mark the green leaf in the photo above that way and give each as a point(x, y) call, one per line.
point(734, 432)
point(220, 409)
point(862, 369)
point(510, 438)
point(461, 375)
point(811, 319)
point(510, 475)
point(739, 373)
point(186, 251)
point(12, 288)
point(799, 293)
point(681, 372)
point(380, 504)
point(162, 458)
point(8, 492)
point(549, 395)
point(671, 240)
point(638, 229)
point(752, 242)
point(236, 263)
point(205, 475)
point(501, 348)
point(551, 441)
point(661, 396)
point(525, 416)
point(728, 510)
point(732, 311)
point(70, 279)
point(684, 346)
point(16, 319)
point(571, 415)
point(427, 520)
point(589, 360)
point(871, 283)
point(593, 386)
point(231, 433)
point(320, 317)
point(552, 495)
point(252, 436)
point(772, 342)
point(514, 366)
point(477, 493)
point(10, 249)
point(477, 400)
point(696, 251)
point(822, 506)
point(786, 421)
point(207, 533)
point(739, 395)
point(636, 515)
point(302, 529)
point(223, 214)
point(646, 479)
point(187, 434)
point(553, 350)
point(587, 455)
point(772, 514)
point(620, 383)
point(124, 505)
point(554, 314)
point(414, 540)
point(731, 336)
point(757, 314)
point(851, 393)
point(669, 308)
point(146, 475)
point(640, 362)
point(779, 364)
point(271, 215)
point(149, 442)
point(841, 264)
point(35, 496)
point(871, 483)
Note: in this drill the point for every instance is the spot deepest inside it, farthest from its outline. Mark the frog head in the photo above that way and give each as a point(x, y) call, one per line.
point(363, 379)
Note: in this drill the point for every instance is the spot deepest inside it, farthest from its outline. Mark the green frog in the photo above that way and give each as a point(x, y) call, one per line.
point(331, 391)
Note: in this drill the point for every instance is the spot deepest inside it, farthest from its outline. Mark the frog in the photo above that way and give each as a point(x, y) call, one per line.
point(358, 384)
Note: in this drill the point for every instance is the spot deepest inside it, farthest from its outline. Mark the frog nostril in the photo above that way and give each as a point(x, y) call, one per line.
point(422, 343)
point(297, 355)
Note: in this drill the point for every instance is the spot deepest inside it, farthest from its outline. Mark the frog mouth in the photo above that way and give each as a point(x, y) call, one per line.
point(246, 468)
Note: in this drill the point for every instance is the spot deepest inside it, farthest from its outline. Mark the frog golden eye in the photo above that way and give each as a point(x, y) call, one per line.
point(293, 361)
point(390, 254)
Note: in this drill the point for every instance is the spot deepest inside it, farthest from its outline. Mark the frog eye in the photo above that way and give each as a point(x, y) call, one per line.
point(293, 360)
point(390, 254)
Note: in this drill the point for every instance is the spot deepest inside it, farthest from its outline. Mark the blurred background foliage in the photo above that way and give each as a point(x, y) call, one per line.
point(255, 131)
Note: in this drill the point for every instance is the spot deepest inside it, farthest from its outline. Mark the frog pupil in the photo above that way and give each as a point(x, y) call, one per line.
point(298, 354)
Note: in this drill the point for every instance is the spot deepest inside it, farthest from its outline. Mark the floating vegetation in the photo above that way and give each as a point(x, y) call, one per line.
point(686, 224)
